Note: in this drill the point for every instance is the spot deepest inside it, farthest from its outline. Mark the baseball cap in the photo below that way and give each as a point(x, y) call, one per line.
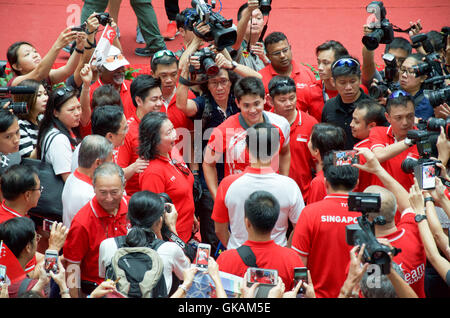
point(114, 59)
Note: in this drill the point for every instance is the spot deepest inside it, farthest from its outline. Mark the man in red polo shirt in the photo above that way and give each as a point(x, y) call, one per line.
point(147, 97)
point(261, 214)
point(367, 114)
point(281, 63)
point(402, 233)
point(112, 72)
point(319, 236)
point(390, 144)
point(284, 98)
point(103, 217)
point(165, 67)
point(229, 137)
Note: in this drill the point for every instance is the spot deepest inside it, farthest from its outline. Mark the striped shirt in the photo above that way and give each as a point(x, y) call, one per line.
point(28, 137)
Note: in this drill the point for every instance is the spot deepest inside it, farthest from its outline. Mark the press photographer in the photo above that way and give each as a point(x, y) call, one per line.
point(399, 227)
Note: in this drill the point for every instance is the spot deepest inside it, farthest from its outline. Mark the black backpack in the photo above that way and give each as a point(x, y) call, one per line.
point(140, 270)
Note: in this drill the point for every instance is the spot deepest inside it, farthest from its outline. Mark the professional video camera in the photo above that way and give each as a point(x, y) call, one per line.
point(265, 6)
point(207, 65)
point(221, 32)
point(390, 72)
point(383, 30)
point(364, 231)
point(432, 66)
point(17, 107)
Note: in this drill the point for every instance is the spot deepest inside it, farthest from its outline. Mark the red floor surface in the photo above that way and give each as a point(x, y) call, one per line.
point(306, 23)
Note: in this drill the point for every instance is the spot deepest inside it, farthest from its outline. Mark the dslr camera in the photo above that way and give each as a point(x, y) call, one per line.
point(207, 65)
point(388, 83)
point(364, 232)
point(17, 107)
point(221, 32)
point(438, 96)
point(383, 31)
point(432, 65)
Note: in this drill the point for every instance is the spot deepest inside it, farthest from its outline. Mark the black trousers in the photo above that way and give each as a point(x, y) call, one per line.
point(172, 9)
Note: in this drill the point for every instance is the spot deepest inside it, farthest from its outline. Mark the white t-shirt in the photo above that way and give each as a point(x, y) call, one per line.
point(172, 256)
point(59, 153)
point(77, 192)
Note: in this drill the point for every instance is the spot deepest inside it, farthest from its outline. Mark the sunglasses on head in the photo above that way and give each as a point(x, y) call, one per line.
point(349, 62)
point(283, 83)
point(398, 93)
point(183, 168)
point(161, 53)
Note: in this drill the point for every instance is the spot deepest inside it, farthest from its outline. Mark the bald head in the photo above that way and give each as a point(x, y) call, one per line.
point(388, 203)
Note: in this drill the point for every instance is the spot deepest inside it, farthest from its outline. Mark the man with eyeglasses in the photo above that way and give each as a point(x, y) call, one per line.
point(21, 190)
point(281, 63)
point(390, 144)
point(338, 110)
point(104, 216)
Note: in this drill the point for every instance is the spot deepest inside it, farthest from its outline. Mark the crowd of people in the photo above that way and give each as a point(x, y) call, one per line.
point(232, 148)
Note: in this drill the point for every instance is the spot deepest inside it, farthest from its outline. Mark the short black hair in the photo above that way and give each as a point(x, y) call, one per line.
point(181, 17)
point(249, 86)
point(274, 37)
point(16, 180)
point(399, 43)
point(262, 210)
point(142, 85)
point(105, 95)
point(375, 112)
point(401, 100)
point(106, 119)
point(149, 134)
point(263, 141)
point(326, 137)
point(338, 49)
point(16, 233)
point(7, 118)
point(279, 85)
point(339, 177)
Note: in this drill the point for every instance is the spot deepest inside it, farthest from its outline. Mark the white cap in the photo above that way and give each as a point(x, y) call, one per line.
point(118, 62)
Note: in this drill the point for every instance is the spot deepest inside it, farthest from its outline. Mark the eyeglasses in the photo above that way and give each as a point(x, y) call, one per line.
point(182, 167)
point(222, 82)
point(161, 53)
point(41, 188)
point(111, 58)
point(349, 62)
point(408, 71)
point(398, 93)
point(284, 51)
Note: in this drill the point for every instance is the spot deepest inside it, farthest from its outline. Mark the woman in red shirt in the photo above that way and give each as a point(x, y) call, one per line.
point(166, 172)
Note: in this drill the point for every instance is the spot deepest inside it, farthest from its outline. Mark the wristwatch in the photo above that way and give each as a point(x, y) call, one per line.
point(428, 199)
point(420, 217)
point(408, 142)
point(234, 65)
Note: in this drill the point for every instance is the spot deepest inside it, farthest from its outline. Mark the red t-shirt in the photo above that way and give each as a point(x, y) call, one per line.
point(320, 236)
point(162, 175)
point(182, 124)
point(301, 159)
point(7, 213)
point(90, 226)
point(128, 153)
point(318, 189)
point(302, 75)
point(268, 256)
point(381, 137)
point(229, 138)
point(128, 107)
point(412, 258)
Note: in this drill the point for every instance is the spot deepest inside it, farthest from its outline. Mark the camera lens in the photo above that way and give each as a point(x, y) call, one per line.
point(372, 40)
point(211, 68)
point(408, 165)
point(378, 91)
point(435, 124)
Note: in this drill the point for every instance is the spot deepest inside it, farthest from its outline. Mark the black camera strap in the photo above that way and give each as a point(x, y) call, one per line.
point(247, 255)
